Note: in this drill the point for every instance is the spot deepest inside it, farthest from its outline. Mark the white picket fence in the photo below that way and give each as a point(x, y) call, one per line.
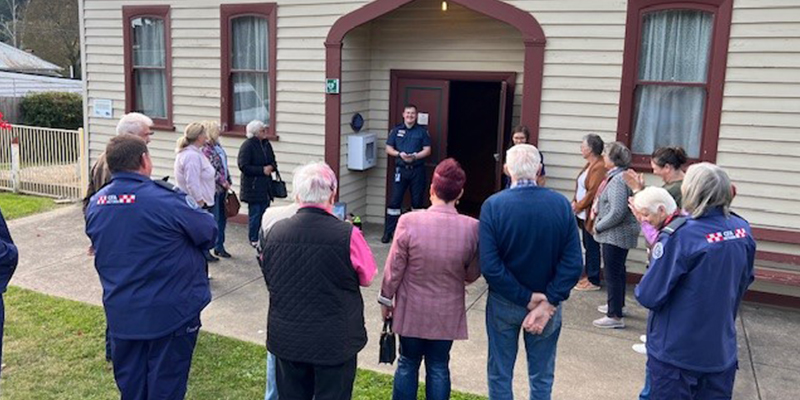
point(44, 162)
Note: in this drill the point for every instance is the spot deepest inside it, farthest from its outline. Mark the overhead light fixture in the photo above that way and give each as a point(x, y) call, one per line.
point(444, 5)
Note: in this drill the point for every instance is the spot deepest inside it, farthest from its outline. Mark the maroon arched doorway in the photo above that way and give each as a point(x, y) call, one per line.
point(532, 36)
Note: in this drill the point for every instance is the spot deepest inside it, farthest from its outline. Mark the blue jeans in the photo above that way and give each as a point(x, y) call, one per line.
point(272, 389)
point(592, 258)
point(437, 369)
point(254, 212)
point(503, 324)
point(222, 220)
point(645, 394)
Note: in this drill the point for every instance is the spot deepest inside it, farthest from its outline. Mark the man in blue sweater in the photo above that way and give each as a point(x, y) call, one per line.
point(530, 256)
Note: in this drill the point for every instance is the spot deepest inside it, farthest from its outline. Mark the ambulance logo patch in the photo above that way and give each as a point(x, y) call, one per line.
point(726, 235)
point(401, 133)
point(658, 250)
point(114, 199)
point(191, 203)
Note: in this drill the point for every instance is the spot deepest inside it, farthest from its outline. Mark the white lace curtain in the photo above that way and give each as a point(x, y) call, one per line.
point(675, 47)
point(149, 63)
point(250, 69)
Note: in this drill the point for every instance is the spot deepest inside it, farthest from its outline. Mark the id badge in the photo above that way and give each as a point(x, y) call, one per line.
point(397, 175)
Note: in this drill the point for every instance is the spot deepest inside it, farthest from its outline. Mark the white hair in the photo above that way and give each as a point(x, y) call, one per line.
point(523, 162)
point(134, 124)
point(313, 183)
point(706, 186)
point(254, 127)
point(653, 197)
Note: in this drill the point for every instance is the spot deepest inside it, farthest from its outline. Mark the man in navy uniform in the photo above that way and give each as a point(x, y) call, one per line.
point(8, 263)
point(409, 143)
point(149, 239)
point(699, 271)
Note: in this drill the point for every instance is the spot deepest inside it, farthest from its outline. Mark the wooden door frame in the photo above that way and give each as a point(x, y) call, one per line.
point(469, 76)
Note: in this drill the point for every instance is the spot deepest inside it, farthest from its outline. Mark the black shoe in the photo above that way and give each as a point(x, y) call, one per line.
point(210, 258)
point(387, 238)
point(222, 253)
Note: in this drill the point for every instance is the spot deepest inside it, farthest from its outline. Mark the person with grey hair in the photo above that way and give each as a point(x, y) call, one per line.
point(589, 179)
point(256, 161)
point(617, 231)
point(699, 272)
point(313, 264)
point(530, 255)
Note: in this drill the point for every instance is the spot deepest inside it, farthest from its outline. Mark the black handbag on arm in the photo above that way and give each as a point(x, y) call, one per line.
point(388, 350)
point(278, 187)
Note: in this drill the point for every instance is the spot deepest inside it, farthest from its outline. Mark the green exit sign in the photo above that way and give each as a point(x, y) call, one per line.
point(332, 86)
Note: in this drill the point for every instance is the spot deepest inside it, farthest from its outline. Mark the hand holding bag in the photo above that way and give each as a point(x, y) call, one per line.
point(231, 204)
point(278, 187)
point(388, 350)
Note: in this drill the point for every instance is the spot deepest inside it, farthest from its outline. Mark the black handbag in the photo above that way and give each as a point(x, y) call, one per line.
point(278, 187)
point(388, 351)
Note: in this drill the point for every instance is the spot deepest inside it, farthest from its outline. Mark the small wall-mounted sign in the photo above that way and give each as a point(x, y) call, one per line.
point(332, 86)
point(422, 118)
point(103, 108)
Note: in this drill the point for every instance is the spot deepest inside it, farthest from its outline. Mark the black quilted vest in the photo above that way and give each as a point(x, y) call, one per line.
point(316, 313)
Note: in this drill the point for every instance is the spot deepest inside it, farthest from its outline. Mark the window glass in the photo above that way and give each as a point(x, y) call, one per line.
point(149, 67)
point(250, 69)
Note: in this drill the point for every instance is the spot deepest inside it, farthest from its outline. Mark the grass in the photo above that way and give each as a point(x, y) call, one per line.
point(18, 205)
point(54, 349)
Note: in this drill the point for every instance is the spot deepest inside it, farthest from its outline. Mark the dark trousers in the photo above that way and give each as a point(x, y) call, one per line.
point(154, 369)
point(304, 381)
point(254, 212)
point(221, 218)
point(404, 179)
point(592, 256)
point(668, 382)
point(614, 260)
point(2, 322)
point(437, 369)
point(108, 344)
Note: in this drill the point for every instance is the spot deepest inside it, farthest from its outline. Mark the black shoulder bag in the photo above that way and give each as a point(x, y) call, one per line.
point(388, 349)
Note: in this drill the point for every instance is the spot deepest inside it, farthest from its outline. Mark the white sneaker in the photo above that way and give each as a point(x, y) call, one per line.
point(640, 348)
point(604, 309)
point(609, 323)
point(643, 338)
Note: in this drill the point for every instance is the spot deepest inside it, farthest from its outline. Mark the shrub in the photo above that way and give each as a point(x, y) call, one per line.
point(53, 110)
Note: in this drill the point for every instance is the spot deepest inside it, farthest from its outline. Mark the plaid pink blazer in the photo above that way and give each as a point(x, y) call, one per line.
point(433, 257)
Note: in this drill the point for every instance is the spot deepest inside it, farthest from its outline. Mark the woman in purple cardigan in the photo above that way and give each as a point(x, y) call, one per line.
point(433, 256)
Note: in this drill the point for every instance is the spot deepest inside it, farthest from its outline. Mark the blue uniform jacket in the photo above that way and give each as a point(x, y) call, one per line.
point(149, 240)
point(8, 255)
point(693, 288)
point(409, 141)
point(529, 243)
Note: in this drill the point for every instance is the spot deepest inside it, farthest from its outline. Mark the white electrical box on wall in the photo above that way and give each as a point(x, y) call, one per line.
point(361, 151)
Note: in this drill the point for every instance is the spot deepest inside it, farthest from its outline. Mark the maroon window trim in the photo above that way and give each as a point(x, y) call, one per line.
point(130, 13)
point(721, 10)
point(227, 13)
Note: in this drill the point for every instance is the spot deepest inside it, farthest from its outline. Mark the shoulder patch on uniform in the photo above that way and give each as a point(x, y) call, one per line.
point(674, 225)
point(166, 185)
point(191, 203)
point(116, 199)
point(715, 237)
point(658, 250)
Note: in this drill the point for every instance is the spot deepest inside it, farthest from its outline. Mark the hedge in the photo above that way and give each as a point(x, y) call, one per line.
point(53, 110)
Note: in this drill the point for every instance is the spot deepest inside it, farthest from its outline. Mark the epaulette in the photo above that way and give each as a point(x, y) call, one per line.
point(674, 225)
point(166, 185)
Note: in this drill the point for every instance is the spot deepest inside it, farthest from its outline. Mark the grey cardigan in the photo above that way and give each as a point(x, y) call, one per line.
point(615, 224)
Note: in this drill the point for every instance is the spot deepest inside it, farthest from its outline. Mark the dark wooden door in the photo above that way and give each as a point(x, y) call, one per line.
point(431, 96)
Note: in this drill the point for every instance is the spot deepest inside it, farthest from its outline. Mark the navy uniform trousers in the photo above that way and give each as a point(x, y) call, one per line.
point(405, 178)
point(668, 382)
point(155, 369)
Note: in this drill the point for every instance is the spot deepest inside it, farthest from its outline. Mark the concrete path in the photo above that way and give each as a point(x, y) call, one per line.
point(592, 363)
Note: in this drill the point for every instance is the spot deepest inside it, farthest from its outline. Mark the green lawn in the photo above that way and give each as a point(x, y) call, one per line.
point(54, 349)
point(17, 205)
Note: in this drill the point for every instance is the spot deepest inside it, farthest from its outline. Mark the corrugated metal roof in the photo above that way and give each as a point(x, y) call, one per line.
point(14, 84)
point(14, 59)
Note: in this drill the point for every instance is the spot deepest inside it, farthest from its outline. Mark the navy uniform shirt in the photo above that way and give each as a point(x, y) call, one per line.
point(409, 141)
point(693, 288)
point(149, 239)
point(8, 255)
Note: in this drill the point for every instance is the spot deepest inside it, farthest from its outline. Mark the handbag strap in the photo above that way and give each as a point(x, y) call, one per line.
point(278, 175)
point(387, 326)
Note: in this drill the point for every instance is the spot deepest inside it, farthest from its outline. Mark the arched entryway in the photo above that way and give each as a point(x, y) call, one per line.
point(532, 36)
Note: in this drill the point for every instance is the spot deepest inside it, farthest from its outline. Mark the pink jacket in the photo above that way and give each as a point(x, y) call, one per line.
point(433, 257)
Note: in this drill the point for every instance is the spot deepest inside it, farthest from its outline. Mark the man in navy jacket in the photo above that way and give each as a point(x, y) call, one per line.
point(8, 263)
point(530, 256)
point(697, 277)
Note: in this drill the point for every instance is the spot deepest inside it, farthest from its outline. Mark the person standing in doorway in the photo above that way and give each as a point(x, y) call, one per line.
point(410, 144)
point(257, 162)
